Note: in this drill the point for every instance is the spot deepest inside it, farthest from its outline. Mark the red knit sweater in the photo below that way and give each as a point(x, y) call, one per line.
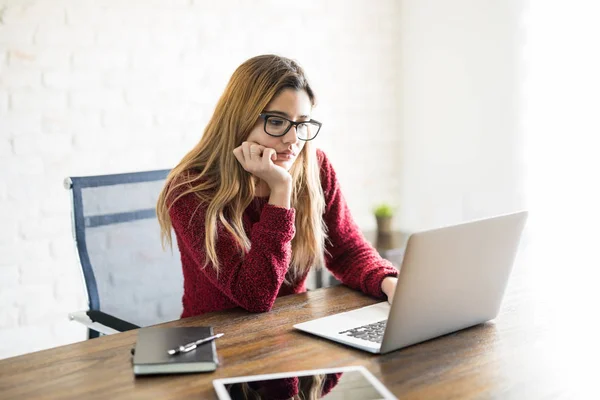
point(255, 281)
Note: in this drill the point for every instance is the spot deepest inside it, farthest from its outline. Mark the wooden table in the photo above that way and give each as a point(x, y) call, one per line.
point(524, 354)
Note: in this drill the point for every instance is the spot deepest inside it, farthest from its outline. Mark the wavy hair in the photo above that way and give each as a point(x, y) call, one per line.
point(211, 172)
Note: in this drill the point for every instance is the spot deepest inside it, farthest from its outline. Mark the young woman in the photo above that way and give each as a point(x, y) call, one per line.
point(255, 206)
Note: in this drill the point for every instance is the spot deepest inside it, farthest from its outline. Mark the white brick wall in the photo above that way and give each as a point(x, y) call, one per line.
point(94, 87)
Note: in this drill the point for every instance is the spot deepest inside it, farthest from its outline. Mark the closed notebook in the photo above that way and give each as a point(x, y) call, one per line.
point(151, 355)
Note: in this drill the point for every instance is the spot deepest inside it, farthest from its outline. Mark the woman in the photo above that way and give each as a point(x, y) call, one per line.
point(255, 206)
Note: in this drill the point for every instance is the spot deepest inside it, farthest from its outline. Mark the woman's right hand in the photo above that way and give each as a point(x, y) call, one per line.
point(258, 160)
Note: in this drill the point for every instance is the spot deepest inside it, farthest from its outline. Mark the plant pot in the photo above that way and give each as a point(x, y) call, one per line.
point(384, 225)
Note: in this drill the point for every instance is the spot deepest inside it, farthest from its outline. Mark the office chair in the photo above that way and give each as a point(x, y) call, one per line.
point(129, 279)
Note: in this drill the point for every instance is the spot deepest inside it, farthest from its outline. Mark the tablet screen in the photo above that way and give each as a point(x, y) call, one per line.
point(348, 383)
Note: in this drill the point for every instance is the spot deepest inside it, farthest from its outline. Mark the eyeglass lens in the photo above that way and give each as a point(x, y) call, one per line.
point(278, 126)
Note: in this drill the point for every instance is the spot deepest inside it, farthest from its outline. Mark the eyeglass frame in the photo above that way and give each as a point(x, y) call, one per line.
point(265, 117)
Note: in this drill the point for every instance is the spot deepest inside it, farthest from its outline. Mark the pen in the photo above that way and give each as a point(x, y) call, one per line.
point(191, 346)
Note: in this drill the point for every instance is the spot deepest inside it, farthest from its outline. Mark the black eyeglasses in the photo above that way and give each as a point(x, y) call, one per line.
point(278, 126)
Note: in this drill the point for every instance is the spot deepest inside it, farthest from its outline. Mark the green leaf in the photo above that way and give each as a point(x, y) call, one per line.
point(384, 210)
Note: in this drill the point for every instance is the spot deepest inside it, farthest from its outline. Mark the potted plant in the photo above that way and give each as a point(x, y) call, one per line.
point(384, 214)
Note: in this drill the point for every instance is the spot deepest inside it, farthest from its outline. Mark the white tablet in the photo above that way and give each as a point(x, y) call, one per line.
point(349, 383)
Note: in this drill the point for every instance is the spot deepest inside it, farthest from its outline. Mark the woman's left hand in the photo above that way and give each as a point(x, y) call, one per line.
point(388, 286)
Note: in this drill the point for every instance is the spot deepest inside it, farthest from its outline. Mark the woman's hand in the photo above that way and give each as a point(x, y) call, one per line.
point(388, 286)
point(258, 160)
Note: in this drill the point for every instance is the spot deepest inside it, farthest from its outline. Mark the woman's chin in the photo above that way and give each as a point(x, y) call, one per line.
point(285, 164)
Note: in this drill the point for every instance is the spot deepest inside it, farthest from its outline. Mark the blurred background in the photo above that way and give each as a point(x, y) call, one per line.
point(448, 110)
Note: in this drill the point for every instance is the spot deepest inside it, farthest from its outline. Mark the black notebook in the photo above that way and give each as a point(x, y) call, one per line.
point(151, 355)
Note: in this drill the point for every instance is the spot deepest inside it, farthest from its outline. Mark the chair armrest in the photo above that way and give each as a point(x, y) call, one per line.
point(101, 322)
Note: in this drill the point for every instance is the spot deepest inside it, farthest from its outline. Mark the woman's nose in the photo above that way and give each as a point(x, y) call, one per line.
point(292, 135)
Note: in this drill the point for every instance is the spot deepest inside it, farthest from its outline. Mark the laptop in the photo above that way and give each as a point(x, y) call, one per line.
point(451, 278)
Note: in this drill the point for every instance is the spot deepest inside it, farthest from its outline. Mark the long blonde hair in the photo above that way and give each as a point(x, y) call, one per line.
point(212, 173)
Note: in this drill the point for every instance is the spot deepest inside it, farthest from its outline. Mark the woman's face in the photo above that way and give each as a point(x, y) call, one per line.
point(291, 104)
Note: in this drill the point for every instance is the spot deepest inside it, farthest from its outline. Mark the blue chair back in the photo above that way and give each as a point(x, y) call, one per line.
point(127, 273)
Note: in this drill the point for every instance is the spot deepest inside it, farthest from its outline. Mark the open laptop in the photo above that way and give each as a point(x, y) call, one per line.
point(451, 278)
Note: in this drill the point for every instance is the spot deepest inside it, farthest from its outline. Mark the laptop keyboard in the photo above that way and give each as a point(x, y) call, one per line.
point(371, 332)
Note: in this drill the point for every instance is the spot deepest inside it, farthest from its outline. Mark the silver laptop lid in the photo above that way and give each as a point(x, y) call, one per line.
point(452, 278)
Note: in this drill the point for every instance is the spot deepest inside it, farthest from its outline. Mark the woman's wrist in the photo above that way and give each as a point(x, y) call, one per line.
point(281, 196)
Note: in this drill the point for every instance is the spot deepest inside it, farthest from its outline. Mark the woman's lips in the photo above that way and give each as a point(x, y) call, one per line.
point(286, 155)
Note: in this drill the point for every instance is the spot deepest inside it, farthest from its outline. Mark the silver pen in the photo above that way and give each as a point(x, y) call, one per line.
point(191, 346)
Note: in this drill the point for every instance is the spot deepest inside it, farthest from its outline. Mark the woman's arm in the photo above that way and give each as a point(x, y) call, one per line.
point(253, 281)
point(351, 258)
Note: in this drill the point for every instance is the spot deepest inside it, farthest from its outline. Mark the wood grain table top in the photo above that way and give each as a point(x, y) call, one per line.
point(530, 351)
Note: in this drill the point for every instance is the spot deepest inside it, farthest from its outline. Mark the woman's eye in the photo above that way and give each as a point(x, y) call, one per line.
point(276, 121)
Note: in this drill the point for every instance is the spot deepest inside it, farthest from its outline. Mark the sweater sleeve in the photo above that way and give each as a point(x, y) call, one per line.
point(349, 255)
point(252, 280)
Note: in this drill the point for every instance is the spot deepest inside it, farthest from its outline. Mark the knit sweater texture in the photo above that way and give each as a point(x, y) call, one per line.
point(255, 280)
